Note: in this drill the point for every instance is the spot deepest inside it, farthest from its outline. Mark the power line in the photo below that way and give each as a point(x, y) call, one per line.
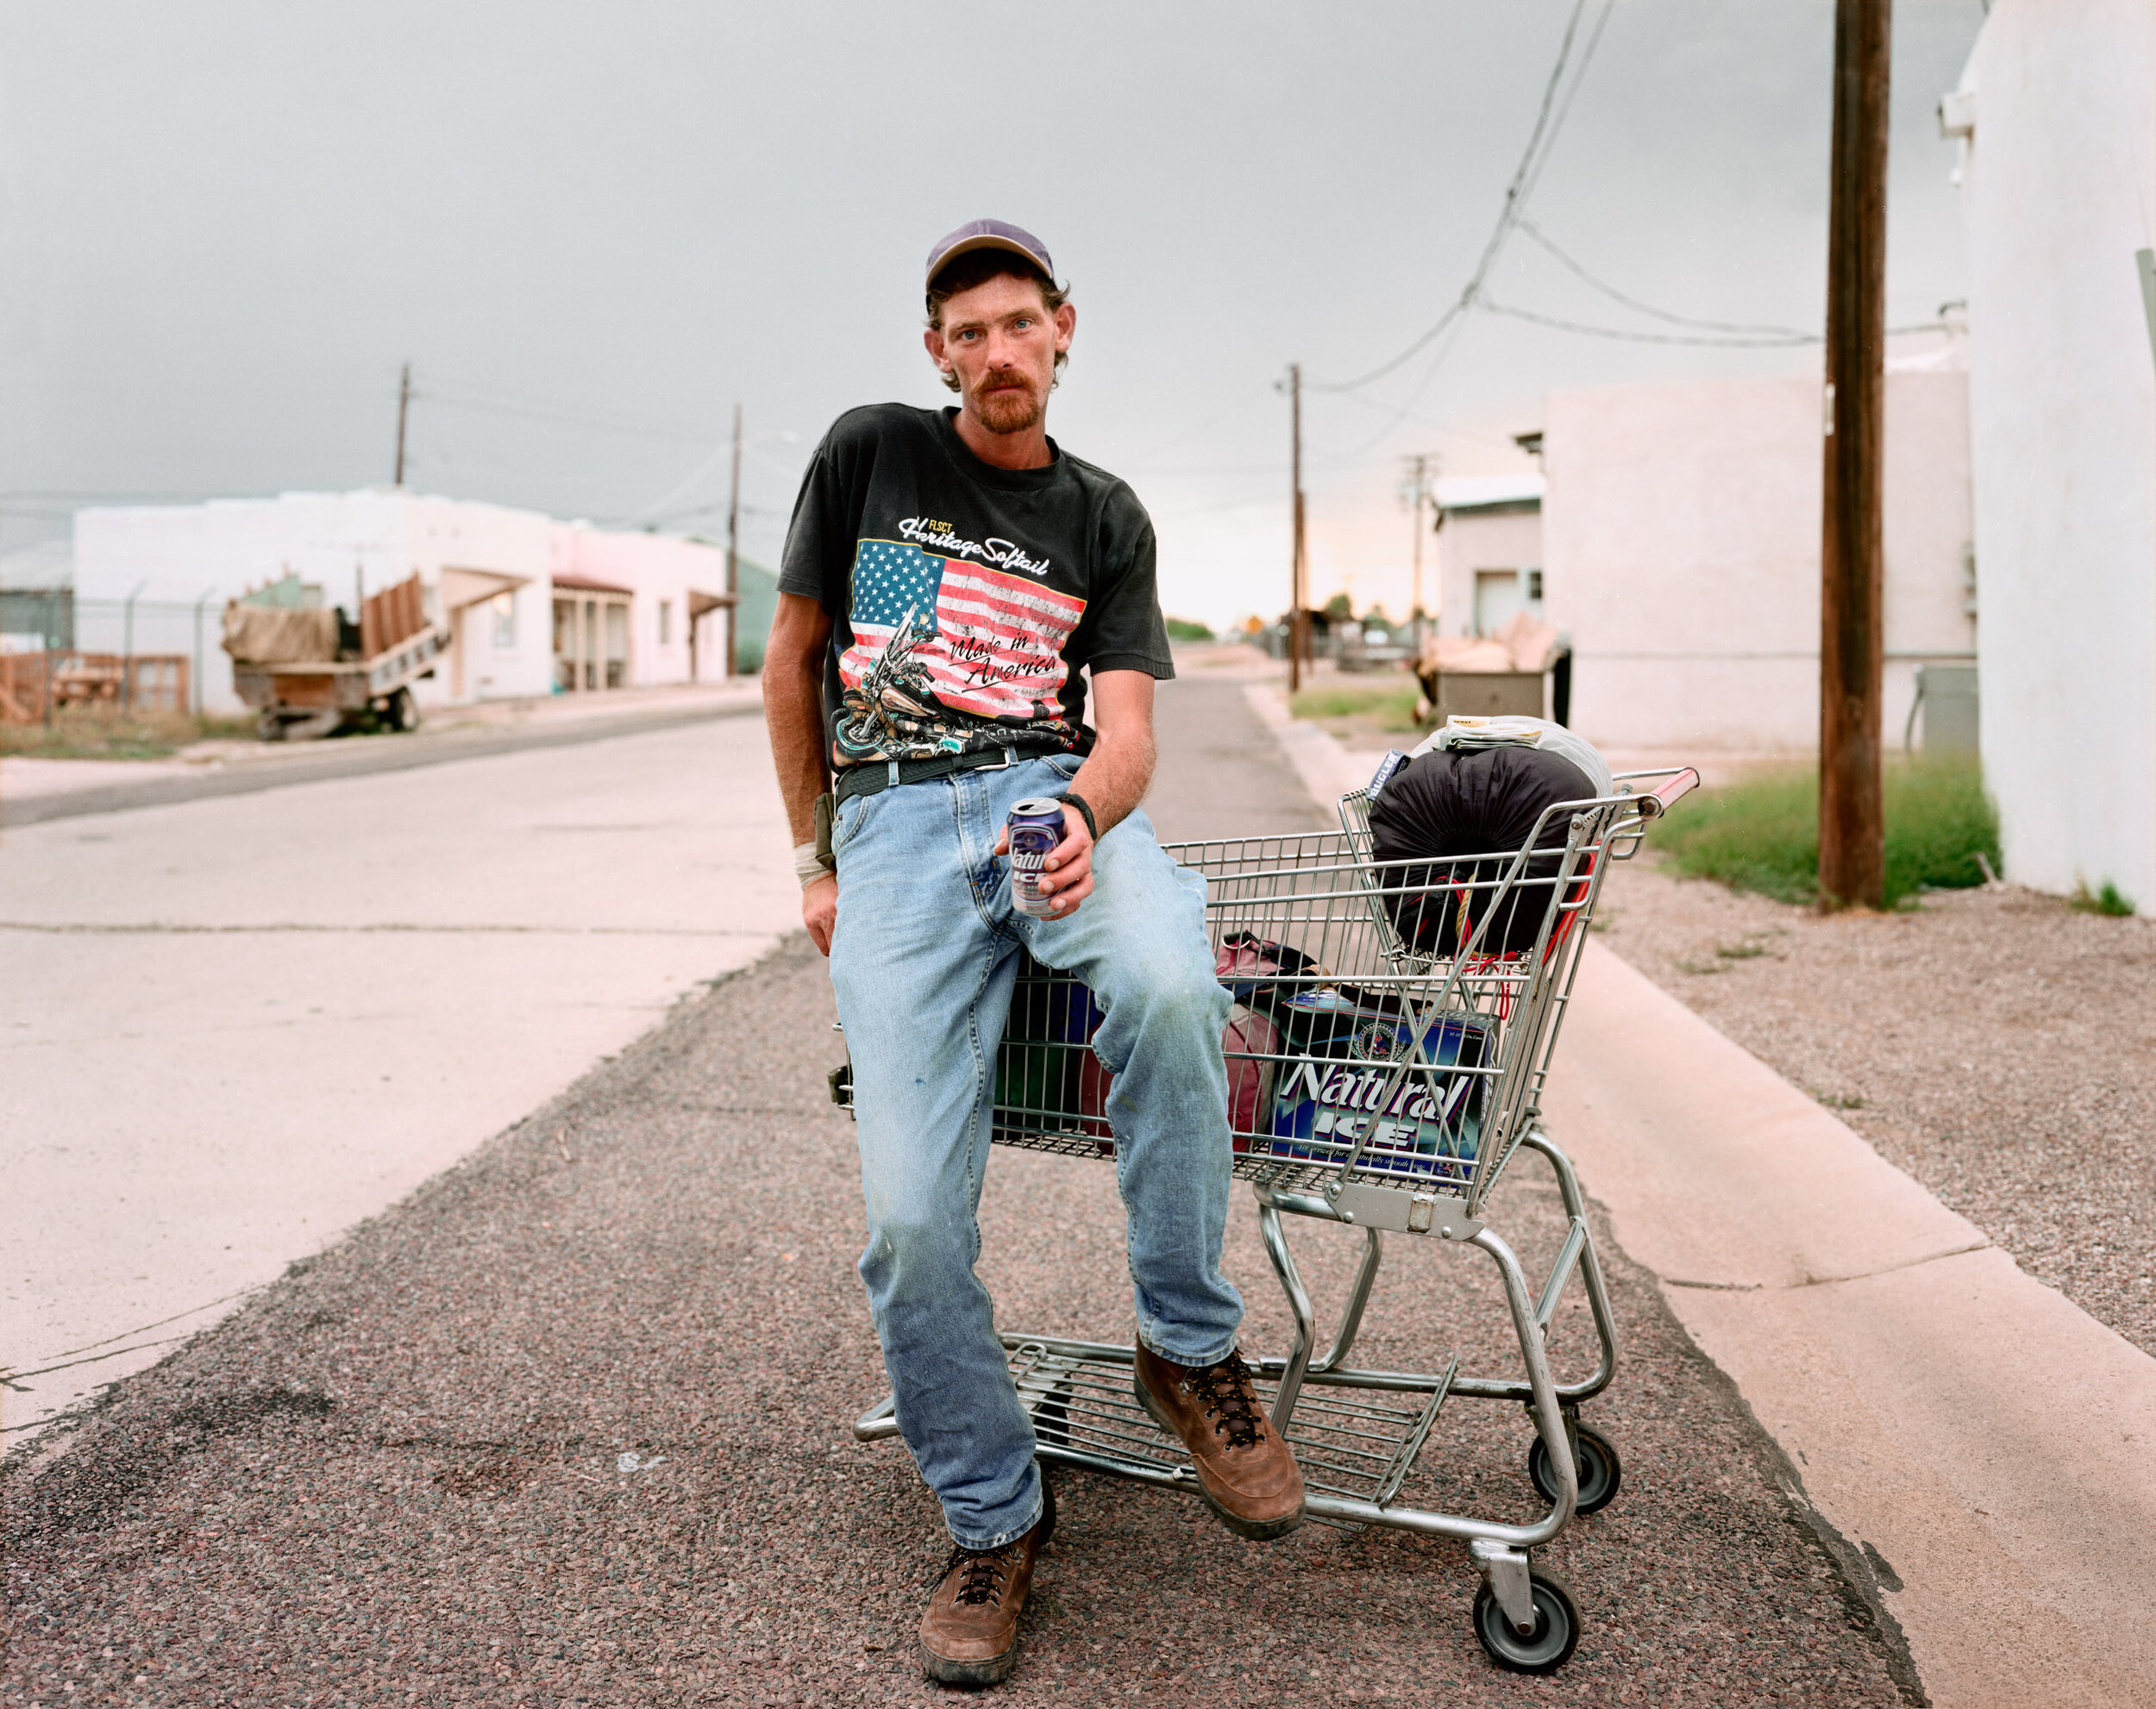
point(1565, 108)
point(1538, 236)
point(1539, 141)
point(1407, 408)
point(562, 417)
point(1791, 341)
point(1785, 340)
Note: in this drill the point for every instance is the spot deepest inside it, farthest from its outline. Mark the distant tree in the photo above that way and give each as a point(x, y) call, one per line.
point(1181, 628)
point(1376, 615)
point(1339, 609)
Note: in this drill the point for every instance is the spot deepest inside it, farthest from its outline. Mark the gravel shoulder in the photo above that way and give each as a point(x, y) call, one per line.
point(1996, 1045)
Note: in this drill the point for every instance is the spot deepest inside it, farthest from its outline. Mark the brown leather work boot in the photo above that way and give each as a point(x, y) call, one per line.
point(1246, 1473)
point(970, 1633)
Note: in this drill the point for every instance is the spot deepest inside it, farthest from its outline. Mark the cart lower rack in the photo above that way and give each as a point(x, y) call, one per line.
point(1394, 1028)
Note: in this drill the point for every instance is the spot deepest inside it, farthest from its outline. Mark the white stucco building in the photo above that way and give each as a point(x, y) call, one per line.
point(536, 606)
point(1489, 551)
point(1680, 554)
point(2056, 111)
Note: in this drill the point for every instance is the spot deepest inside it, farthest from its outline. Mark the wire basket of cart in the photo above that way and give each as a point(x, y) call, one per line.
point(1394, 1027)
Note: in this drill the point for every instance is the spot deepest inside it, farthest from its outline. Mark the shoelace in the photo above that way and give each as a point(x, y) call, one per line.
point(1225, 1388)
point(984, 1573)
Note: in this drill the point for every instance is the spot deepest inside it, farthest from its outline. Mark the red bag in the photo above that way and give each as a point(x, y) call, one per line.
point(1249, 1043)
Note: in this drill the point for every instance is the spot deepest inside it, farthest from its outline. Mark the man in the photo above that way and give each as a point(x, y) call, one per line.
point(948, 574)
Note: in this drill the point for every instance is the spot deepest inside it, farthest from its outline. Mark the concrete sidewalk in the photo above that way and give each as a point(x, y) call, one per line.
point(1981, 1446)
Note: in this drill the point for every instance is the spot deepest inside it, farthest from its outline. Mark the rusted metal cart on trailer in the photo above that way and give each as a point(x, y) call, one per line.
point(1394, 1029)
point(295, 667)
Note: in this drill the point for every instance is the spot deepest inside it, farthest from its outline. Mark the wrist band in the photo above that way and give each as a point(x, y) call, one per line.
point(1085, 812)
point(809, 865)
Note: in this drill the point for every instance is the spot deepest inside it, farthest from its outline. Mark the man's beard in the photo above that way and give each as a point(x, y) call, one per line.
point(1008, 408)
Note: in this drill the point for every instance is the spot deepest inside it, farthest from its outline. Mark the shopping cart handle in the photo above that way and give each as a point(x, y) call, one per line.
point(1657, 802)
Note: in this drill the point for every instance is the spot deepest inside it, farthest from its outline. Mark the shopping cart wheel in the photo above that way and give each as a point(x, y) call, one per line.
point(1543, 1651)
point(1600, 1471)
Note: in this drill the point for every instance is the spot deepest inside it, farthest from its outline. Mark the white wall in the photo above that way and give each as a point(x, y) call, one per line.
point(346, 543)
point(2059, 185)
point(1681, 546)
point(656, 569)
point(350, 541)
point(1481, 539)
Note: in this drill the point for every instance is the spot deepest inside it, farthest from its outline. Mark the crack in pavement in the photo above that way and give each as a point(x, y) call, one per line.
point(1826, 1282)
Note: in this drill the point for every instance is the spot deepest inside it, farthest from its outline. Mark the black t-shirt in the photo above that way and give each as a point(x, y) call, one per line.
point(965, 598)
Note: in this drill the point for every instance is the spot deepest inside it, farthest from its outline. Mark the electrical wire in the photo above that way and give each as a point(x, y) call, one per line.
point(1536, 234)
point(1791, 341)
point(1784, 340)
point(560, 417)
point(1540, 139)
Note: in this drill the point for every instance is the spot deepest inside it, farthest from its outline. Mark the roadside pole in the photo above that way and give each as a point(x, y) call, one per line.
point(404, 409)
point(1418, 496)
point(127, 648)
point(733, 558)
point(196, 683)
point(1298, 618)
point(1851, 820)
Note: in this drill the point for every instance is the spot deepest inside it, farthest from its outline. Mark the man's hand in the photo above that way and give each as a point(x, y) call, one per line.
point(1067, 874)
point(819, 911)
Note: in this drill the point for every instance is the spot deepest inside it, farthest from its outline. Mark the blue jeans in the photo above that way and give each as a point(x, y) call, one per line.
point(924, 959)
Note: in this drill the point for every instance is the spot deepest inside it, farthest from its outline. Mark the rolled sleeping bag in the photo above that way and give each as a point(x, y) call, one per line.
point(1451, 802)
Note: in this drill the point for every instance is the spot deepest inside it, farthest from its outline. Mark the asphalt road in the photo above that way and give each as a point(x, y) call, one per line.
point(515, 731)
point(232, 1027)
point(571, 1425)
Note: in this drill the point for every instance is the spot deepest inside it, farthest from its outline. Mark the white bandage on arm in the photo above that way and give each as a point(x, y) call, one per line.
point(808, 865)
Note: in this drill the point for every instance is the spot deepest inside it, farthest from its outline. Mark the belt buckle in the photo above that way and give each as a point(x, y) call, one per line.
point(1009, 758)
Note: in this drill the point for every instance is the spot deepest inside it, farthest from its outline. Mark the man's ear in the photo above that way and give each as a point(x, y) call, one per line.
point(1066, 323)
point(932, 341)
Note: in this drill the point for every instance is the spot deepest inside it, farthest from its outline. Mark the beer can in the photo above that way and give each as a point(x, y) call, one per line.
point(1036, 827)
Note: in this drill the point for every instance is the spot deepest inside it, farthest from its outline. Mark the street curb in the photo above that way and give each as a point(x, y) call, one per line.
point(1982, 1444)
point(365, 757)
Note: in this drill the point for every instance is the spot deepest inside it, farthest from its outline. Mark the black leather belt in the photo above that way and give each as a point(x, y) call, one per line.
point(874, 779)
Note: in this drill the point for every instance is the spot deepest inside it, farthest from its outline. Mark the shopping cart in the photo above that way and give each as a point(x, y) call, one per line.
point(1393, 1031)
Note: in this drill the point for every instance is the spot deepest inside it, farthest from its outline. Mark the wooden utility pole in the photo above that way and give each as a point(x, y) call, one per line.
point(1418, 496)
point(404, 409)
point(1852, 818)
point(733, 558)
point(1298, 576)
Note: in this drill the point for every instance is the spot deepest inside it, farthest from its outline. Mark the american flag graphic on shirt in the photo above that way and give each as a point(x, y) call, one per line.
point(942, 646)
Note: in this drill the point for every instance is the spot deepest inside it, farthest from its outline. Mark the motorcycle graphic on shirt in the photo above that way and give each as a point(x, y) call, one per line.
point(948, 657)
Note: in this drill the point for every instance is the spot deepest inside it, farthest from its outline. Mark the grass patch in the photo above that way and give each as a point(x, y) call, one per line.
point(1386, 703)
point(81, 733)
point(2108, 900)
point(1763, 834)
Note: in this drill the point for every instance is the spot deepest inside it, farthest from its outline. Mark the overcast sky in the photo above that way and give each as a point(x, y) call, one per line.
point(593, 229)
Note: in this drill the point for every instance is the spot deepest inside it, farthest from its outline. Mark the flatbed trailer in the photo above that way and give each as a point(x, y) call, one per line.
point(314, 698)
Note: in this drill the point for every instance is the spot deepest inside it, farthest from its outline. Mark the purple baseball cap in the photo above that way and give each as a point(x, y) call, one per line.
point(988, 234)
